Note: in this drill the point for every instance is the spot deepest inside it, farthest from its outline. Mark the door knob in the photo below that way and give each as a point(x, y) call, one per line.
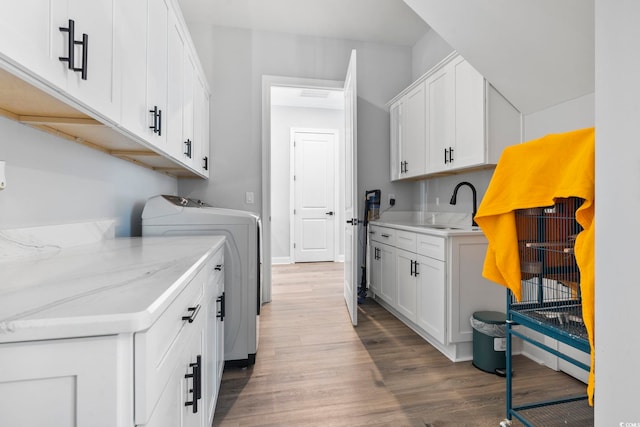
point(330, 213)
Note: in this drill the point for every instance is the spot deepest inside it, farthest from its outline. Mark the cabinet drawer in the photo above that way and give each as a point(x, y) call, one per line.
point(158, 349)
point(431, 246)
point(382, 234)
point(406, 240)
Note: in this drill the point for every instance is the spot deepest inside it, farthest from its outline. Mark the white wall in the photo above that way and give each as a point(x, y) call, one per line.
point(51, 181)
point(617, 209)
point(283, 119)
point(571, 115)
point(235, 61)
point(427, 52)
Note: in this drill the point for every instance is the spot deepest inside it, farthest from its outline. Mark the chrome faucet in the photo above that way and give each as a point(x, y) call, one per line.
point(475, 203)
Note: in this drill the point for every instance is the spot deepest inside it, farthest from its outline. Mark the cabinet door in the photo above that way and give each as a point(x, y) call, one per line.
point(395, 117)
point(375, 267)
point(66, 383)
point(131, 45)
point(202, 156)
point(440, 118)
point(470, 144)
point(388, 283)
point(406, 278)
point(413, 134)
point(469, 291)
point(157, 69)
point(171, 409)
point(188, 139)
point(431, 302)
point(175, 98)
point(30, 38)
point(99, 90)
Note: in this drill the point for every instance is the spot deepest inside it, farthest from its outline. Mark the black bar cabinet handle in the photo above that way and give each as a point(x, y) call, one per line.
point(155, 119)
point(205, 159)
point(196, 390)
point(193, 313)
point(415, 268)
point(188, 148)
point(85, 49)
point(221, 311)
point(70, 44)
point(450, 154)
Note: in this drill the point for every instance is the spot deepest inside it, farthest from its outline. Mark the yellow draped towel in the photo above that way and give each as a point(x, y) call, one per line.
point(531, 175)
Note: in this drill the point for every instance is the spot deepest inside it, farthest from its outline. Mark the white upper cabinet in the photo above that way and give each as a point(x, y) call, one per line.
point(466, 122)
point(68, 44)
point(395, 165)
point(93, 79)
point(132, 30)
point(201, 126)
point(157, 69)
point(440, 118)
point(26, 29)
point(127, 70)
point(188, 109)
point(413, 133)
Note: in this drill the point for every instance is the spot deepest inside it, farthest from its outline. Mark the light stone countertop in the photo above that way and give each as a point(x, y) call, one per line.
point(443, 224)
point(111, 286)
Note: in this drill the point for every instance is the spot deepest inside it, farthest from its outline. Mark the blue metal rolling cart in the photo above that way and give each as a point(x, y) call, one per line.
point(550, 304)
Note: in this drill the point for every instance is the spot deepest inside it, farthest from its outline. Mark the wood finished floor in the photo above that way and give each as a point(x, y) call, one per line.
point(314, 369)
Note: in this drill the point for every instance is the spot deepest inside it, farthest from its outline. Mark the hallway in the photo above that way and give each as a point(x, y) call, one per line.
point(314, 369)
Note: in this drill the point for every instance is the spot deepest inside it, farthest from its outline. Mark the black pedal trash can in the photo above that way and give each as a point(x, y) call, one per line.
point(489, 332)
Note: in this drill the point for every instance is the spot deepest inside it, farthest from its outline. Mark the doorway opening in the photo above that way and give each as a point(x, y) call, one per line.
point(289, 103)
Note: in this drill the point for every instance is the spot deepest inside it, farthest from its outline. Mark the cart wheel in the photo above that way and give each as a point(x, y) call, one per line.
point(505, 423)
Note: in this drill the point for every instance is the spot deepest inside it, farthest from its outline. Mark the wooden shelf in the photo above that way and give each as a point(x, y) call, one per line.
point(31, 106)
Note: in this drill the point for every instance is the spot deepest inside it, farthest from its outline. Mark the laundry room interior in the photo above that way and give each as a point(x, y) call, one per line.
point(304, 212)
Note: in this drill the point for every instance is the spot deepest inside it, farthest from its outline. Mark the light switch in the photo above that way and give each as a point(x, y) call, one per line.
point(249, 197)
point(3, 178)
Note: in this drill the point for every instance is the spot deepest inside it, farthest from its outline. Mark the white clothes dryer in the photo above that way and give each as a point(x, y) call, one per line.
point(173, 215)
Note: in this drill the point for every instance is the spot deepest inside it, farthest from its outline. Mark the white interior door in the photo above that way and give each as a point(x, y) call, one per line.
point(350, 190)
point(314, 184)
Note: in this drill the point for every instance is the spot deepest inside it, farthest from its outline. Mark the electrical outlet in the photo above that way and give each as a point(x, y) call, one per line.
point(392, 199)
point(3, 179)
point(249, 197)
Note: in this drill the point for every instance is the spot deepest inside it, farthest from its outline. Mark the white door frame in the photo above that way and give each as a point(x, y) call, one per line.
point(336, 192)
point(267, 83)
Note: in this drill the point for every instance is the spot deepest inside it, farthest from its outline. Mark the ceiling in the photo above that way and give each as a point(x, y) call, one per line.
point(379, 21)
point(537, 53)
point(307, 98)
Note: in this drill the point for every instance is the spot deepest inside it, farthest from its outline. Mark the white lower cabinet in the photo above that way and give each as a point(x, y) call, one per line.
point(407, 279)
point(178, 362)
point(438, 285)
point(67, 383)
point(181, 403)
point(431, 297)
point(165, 376)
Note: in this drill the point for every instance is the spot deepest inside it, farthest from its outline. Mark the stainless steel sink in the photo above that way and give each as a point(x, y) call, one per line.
point(440, 227)
point(449, 227)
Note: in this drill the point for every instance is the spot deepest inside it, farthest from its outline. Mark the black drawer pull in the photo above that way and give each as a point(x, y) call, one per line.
point(85, 49)
point(192, 316)
point(221, 310)
point(218, 267)
point(205, 163)
point(385, 235)
point(196, 390)
point(157, 120)
point(70, 44)
point(187, 148)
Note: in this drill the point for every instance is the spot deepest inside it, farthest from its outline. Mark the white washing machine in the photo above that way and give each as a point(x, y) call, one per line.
point(180, 216)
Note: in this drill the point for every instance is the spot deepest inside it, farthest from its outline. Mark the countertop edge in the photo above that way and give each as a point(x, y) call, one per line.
point(18, 331)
